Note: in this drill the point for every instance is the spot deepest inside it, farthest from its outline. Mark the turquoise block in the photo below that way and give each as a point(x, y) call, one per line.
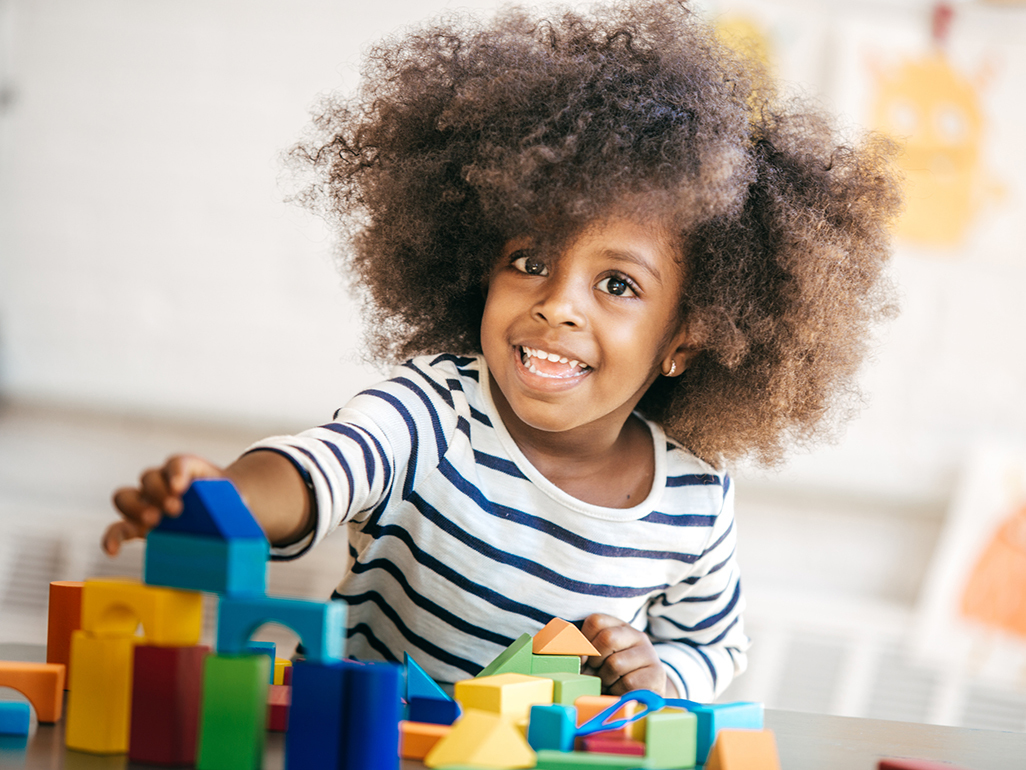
point(203, 563)
point(320, 625)
point(552, 727)
point(713, 717)
point(265, 648)
point(14, 717)
point(419, 684)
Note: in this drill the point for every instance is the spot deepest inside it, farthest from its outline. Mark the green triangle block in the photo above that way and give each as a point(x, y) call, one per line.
point(515, 659)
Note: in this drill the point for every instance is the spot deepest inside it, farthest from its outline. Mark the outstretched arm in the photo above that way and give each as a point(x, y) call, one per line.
point(269, 484)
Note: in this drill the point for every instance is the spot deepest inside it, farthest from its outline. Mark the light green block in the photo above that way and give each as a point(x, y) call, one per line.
point(549, 759)
point(542, 665)
point(567, 688)
point(515, 659)
point(234, 716)
point(671, 739)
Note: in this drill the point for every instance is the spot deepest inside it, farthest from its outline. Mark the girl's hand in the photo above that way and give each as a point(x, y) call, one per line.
point(627, 661)
point(159, 493)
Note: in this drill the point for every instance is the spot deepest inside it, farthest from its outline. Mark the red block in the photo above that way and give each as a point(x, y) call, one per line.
point(167, 684)
point(64, 616)
point(279, 698)
point(895, 763)
point(613, 744)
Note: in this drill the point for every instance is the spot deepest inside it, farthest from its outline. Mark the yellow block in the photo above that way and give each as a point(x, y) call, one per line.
point(511, 695)
point(112, 608)
point(280, 664)
point(100, 693)
point(482, 739)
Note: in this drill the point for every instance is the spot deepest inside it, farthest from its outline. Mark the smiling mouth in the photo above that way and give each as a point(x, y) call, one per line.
point(551, 365)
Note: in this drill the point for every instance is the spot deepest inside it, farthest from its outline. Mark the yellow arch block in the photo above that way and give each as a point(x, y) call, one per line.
point(510, 695)
point(41, 683)
point(115, 607)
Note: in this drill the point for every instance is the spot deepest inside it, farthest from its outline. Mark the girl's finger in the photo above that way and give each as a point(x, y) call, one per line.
point(181, 470)
point(119, 532)
point(134, 507)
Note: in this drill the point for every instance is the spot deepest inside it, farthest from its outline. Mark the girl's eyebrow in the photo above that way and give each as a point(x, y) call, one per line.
point(626, 255)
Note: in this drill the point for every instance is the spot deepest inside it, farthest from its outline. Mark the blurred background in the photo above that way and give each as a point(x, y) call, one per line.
point(157, 295)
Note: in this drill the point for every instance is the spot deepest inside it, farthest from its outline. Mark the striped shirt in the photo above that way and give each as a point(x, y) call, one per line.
point(458, 545)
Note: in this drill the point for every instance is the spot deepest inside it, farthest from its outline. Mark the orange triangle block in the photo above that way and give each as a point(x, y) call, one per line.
point(562, 638)
point(737, 749)
point(482, 739)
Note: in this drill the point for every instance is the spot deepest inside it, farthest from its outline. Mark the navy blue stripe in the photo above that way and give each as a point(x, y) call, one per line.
point(436, 423)
point(385, 464)
point(683, 681)
point(312, 496)
point(349, 432)
point(712, 620)
point(426, 604)
point(456, 578)
point(554, 530)
point(460, 361)
point(705, 658)
point(480, 416)
point(376, 644)
point(463, 425)
point(528, 566)
point(432, 649)
point(726, 631)
point(500, 464)
point(411, 427)
point(443, 393)
point(664, 602)
point(719, 540)
point(454, 385)
point(693, 480)
point(680, 519)
point(343, 464)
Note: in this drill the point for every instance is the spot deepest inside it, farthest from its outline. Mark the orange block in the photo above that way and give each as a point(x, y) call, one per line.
point(559, 637)
point(41, 683)
point(737, 749)
point(416, 739)
point(589, 706)
point(64, 617)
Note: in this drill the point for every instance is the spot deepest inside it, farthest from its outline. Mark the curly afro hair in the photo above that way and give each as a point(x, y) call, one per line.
point(465, 135)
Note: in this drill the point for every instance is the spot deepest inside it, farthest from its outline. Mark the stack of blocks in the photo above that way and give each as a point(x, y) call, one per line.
point(166, 700)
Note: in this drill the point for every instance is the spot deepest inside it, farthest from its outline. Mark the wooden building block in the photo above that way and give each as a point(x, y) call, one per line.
point(282, 666)
point(740, 749)
point(543, 665)
point(265, 648)
point(416, 739)
point(515, 659)
point(589, 706)
point(552, 727)
point(203, 563)
point(233, 718)
point(559, 637)
point(584, 760)
point(100, 695)
point(64, 616)
point(713, 717)
point(670, 738)
point(419, 684)
point(511, 695)
point(374, 708)
point(279, 698)
point(213, 507)
point(15, 717)
point(317, 714)
point(433, 710)
point(567, 688)
point(41, 683)
point(320, 625)
point(116, 607)
point(902, 763)
point(166, 695)
point(615, 744)
point(482, 739)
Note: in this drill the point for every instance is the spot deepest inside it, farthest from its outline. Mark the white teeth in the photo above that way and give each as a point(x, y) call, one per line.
point(563, 359)
point(574, 363)
point(529, 353)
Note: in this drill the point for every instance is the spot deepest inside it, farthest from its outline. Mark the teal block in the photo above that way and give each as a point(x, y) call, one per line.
point(542, 665)
point(14, 717)
point(265, 648)
point(567, 688)
point(320, 625)
point(713, 717)
point(202, 563)
point(419, 684)
point(234, 715)
point(671, 738)
point(515, 659)
point(552, 727)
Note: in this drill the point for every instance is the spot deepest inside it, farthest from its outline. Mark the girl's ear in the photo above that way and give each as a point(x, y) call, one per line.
point(680, 350)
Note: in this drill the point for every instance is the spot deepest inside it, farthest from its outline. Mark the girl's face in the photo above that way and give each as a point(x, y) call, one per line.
point(575, 339)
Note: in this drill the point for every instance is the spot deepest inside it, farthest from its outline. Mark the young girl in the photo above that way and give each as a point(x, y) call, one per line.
point(616, 267)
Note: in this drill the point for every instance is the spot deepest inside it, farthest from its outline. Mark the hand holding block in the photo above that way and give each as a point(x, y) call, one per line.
point(213, 507)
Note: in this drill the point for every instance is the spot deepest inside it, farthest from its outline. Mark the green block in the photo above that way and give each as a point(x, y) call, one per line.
point(543, 665)
point(234, 716)
point(567, 688)
point(671, 739)
point(549, 759)
point(515, 659)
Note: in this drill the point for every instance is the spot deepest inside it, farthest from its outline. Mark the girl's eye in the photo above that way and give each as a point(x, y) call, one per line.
point(615, 285)
point(530, 265)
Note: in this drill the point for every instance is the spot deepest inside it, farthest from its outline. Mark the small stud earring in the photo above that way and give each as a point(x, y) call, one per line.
point(673, 368)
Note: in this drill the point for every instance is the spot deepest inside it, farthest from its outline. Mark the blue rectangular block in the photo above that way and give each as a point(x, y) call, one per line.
point(14, 717)
point(317, 715)
point(373, 703)
point(552, 727)
point(265, 648)
point(320, 625)
point(713, 717)
point(434, 711)
point(202, 563)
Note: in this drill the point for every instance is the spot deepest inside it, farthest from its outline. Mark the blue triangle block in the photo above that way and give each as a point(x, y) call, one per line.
point(213, 507)
point(419, 684)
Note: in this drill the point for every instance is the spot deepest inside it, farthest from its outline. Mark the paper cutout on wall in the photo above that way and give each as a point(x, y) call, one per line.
point(995, 593)
point(935, 112)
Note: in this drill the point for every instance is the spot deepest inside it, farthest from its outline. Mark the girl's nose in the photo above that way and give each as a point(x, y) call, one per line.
point(561, 304)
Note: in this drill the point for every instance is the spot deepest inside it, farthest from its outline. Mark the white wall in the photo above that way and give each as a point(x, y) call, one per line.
point(148, 263)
